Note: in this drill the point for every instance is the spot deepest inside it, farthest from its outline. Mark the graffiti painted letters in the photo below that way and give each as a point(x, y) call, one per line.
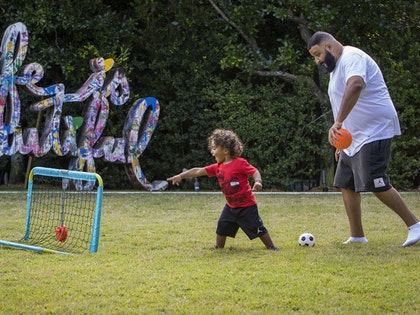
point(104, 86)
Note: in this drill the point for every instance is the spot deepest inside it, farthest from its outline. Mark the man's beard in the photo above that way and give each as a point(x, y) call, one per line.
point(329, 61)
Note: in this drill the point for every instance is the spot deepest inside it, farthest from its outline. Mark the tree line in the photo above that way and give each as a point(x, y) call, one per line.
point(240, 65)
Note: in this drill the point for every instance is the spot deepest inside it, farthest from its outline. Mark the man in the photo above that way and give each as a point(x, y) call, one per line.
point(361, 104)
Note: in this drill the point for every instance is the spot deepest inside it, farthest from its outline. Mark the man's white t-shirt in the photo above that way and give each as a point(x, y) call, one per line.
point(374, 116)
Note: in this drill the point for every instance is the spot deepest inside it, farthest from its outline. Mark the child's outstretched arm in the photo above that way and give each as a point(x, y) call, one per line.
point(193, 172)
point(257, 181)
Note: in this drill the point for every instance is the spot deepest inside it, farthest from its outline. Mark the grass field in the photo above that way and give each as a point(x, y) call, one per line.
point(155, 257)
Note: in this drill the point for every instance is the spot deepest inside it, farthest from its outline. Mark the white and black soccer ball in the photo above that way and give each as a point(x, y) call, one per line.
point(307, 239)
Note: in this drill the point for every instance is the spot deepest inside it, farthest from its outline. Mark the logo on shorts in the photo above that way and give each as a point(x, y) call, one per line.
point(379, 182)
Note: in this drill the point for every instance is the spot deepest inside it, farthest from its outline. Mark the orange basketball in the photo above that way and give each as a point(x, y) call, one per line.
point(344, 140)
point(61, 233)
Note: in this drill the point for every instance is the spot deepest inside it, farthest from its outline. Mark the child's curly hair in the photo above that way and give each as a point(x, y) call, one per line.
point(227, 139)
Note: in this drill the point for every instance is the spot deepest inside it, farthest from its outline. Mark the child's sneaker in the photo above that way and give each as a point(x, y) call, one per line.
point(274, 248)
point(413, 235)
point(356, 240)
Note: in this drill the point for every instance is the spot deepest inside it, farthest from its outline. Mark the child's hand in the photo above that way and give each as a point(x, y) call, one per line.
point(175, 179)
point(257, 186)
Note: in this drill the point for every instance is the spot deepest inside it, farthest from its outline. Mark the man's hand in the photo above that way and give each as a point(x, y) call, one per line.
point(335, 128)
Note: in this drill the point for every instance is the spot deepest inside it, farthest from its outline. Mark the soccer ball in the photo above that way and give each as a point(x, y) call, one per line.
point(307, 239)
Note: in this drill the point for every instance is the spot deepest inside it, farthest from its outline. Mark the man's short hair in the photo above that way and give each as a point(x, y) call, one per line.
point(318, 38)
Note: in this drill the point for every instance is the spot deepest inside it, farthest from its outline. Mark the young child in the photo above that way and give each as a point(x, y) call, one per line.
point(232, 172)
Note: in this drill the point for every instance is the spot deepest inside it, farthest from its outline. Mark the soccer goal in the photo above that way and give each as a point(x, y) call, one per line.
point(63, 212)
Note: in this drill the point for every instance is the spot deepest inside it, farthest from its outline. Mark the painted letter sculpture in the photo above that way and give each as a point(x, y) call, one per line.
point(59, 135)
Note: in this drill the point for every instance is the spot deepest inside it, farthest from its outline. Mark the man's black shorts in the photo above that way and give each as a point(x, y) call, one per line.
point(366, 170)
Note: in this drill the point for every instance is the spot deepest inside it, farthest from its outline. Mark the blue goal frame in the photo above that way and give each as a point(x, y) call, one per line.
point(71, 175)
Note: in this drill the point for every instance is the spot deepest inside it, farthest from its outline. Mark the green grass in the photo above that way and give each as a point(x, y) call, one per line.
point(154, 258)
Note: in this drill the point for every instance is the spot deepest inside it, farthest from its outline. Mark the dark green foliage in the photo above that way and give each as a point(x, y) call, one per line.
point(274, 126)
point(204, 72)
point(388, 31)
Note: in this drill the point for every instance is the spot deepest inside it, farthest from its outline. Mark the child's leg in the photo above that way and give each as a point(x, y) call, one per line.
point(266, 239)
point(220, 241)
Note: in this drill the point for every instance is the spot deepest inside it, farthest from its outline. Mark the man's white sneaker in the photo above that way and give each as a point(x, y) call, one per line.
point(413, 235)
point(356, 240)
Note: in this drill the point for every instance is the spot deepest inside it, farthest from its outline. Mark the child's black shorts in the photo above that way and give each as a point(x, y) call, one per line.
point(246, 218)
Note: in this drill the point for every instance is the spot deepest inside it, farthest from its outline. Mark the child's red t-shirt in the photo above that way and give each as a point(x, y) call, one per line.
point(233, 180)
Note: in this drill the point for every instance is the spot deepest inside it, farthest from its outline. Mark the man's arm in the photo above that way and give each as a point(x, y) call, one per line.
point(354, 87)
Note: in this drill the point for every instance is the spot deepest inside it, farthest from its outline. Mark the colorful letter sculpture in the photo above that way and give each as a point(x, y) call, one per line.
point(104, 86)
